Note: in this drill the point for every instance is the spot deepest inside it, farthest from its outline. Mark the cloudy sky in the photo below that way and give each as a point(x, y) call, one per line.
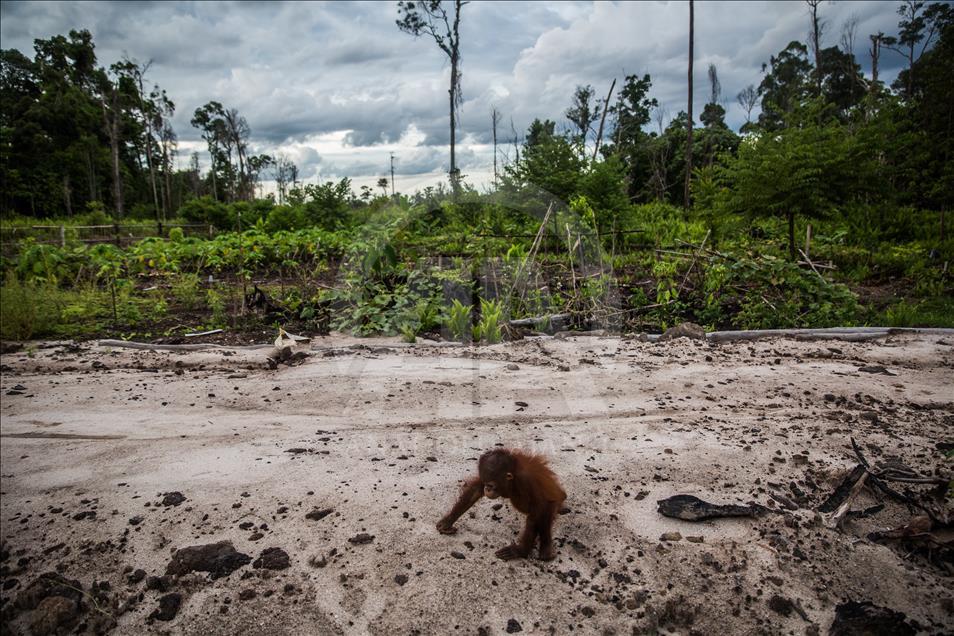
point(338, 88)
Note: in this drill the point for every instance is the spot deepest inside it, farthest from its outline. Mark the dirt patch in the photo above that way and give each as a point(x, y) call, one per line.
point(331, 475)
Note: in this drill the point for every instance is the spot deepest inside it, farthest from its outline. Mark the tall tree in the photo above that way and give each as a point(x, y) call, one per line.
point(806, 169)
point(194, 178)
point(931, 117)
point(692, 35)
point(210, 120)
point(842, 81)
point(111, 103)
point(785, 86)
point(432, 17)
point(814, 40)
point(53, 145)
point(583, 114)
point(631, 112)
point(169, 141)
point(136, 73)
point(257, 164)
point(748, 97)
point(549, 165)
point(284, 172)
point(918, 25)
point(238, 130)
point(162, 111)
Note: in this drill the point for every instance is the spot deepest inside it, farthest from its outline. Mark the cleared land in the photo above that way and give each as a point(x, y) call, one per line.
point(381, 435)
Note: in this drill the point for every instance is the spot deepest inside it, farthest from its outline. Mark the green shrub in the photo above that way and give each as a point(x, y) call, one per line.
point(779, 294)
point(459, 321)
point(408, 334)
point(216, 304)
point(185, 289)
point(28, 309)
point(901, 314)
point(207, 210)
point(488, 327)
point(930, 312)
point(286, 217)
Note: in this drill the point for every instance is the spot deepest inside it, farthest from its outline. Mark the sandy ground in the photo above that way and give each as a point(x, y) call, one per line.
point(384, 435)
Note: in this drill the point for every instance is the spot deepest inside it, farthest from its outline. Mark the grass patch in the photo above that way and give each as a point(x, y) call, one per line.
point(931, 312)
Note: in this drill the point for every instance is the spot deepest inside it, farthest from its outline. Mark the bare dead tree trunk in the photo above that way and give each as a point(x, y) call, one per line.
point(692, 34)
point(816, 42)
point(230, 193)
point(91, 176)
point(791, 236)
point(453, 122)
point(167, 169)
point(243, 178)
point(67, 200)
point(215, 189)
point(848, 31)
point(599, 132)
point(494, 120)
point(147, 121)
point(432, 18)
point(875, 51)
point(659, 159)
point(112, 131)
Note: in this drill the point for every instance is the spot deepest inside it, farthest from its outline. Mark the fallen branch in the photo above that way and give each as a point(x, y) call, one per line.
point(867, 512)
point(710, 252)
point(695, 257)
point(691, 508)
point(830, 333)
point(682, 254)
point(848, 337)
point(530, 322)
point(888, 490)
point(532, 254)
point(812, 265)
point(123, 344)
point(845, 506)
point(203, 333)
point(821, 265)
point(844, 490)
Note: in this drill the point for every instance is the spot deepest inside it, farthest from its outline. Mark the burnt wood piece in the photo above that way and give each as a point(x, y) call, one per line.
point(691, 508)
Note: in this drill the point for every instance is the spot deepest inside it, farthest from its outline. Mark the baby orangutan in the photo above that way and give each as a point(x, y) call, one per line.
point(531, 487)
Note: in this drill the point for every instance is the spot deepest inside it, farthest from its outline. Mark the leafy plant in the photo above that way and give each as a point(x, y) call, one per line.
point(185, 289)
point(216, 303)
point(27, 309)
point(408, 334)
point(901, 314)
point(459, 321)
point(779, 294)
point(488, 327)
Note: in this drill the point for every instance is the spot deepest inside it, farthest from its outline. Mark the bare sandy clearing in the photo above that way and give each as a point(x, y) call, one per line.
point(382, 434)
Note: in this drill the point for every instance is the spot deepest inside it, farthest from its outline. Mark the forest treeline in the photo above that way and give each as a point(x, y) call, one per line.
point(75, 136)
point(867, 164)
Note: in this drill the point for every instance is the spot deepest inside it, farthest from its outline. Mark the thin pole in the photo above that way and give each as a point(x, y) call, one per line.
point(392, 175)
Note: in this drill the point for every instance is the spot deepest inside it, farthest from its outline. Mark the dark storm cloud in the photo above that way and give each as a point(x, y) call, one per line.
point(300, 70)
